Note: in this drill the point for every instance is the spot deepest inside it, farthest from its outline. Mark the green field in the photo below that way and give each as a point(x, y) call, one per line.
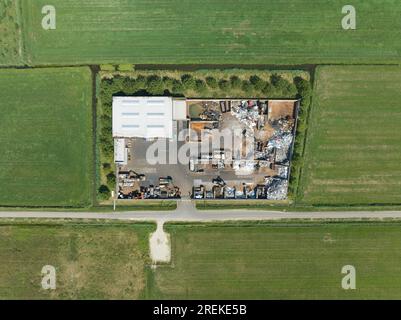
point(46, 137)
point(212, 32)
point(10, 33)
point(234, 261)
point(353, 151)
point(91, 261)
point(287, 261)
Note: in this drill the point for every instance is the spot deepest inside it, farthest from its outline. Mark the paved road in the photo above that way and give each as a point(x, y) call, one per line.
point(187, 212)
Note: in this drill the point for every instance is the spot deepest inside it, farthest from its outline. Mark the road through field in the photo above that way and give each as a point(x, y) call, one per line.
point(187, 212)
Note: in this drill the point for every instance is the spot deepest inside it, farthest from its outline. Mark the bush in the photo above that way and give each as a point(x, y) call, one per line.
point(212, 82)
point(304, 90)
point(235, 82)
point(200, 86)
point(154, 85)
point(268, 90)
point(107, 67)
point(278, 81)
point(247, 87)
point(106, 166)
point(257, 82)
point(107, 146)
point(290, 90)
point(140, 82)
point(168, 82)
point(125, 67)
point(118, 82)
point(104, 192)
point(224, 85)
point(111, 180)
point(178, 87)
point(107, 109)
point(106, 130)
point(129, 85)
point(188, 82)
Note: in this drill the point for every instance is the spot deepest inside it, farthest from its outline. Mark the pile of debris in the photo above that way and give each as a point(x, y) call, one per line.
point(247, 113)
point(210, 115)
point(276, 188)
point(281, 141)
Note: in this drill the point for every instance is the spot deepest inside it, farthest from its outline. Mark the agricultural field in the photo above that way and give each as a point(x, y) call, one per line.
point(91, 261)
point(212, 32)
point(353, 149)
point(281, 261)
point(46, 137)
point(10, 33)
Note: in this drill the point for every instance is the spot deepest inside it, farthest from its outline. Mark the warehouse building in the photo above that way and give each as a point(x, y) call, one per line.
point(146, 117)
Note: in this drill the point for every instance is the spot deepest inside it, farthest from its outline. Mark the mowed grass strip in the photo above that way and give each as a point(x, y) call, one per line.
point(212, 31)
point(91, 261)
point(46, 137)
point(294, 261)
point(353, 149)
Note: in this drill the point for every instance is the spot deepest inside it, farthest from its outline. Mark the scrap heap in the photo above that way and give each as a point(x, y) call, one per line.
point(282, 139)
point(247, 113)
point(276, 188)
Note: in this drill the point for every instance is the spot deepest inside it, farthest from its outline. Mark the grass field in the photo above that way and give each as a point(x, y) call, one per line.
point(212, 32)
point(91, 261)
point(46, 137)
point(10, 33)
point(236, 261)
point(287, 261)
point(353, 150)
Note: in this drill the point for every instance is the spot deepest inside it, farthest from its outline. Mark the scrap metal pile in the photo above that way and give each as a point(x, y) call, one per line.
point(282, 139)
point(276, 188)
point(277, 149)
point(247, 113)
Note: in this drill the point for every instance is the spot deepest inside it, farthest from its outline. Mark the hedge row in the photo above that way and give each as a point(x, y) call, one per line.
point(305, 94)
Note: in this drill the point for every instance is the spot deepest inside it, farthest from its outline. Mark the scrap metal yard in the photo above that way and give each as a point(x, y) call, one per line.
point(234, 149)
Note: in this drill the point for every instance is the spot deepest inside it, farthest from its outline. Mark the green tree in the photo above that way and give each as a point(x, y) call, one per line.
point(178, 87)
point(235, 82)
point(188, 82)
point(140, 82)
point(200, 86)
point(247, 87)
point(278, 81)
point(257, 82)
point(104, 192)
point(212, 82)
point(304, 90)
point(154, 85)
point(111, 180)
point(224, 85)
point(268, 90)
point(129, 85)
point(168, 82)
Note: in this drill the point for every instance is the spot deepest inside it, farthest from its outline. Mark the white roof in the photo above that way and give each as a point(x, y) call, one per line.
point(143, 117)
point(179, 109)
point(120, 151)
